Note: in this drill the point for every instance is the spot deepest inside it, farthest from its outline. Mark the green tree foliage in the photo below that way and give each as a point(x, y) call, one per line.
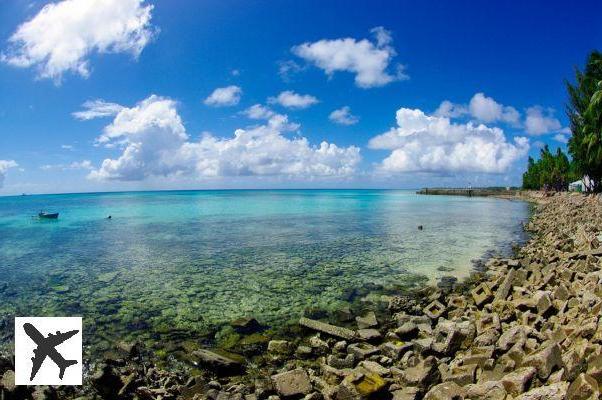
point(585, 114)
point(553, 171)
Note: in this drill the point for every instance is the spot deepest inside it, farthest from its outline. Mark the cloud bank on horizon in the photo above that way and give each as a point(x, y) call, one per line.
point(154, 142)
point(423, 143)
point(149, 138)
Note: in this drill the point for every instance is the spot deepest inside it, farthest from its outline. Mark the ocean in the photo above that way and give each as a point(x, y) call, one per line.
point(178, 264)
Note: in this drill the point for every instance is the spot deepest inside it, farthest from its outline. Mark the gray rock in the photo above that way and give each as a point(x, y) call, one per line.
point(279, 347)
point(545, 360)
point(332, 330)
point(219, 363)
point(369, 334)
point(556, 391)
point(292, 383)
point(367, 321)
point(518, 381)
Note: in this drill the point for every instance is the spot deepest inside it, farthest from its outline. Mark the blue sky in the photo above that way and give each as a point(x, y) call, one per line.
point(385, 66)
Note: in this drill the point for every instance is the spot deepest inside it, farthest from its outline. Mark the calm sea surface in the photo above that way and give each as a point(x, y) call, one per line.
point(186, 261)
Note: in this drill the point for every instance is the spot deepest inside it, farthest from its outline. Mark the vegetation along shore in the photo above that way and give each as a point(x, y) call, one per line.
point(527, 327)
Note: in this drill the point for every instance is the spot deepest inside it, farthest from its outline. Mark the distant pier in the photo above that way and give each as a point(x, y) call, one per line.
point(476, 192)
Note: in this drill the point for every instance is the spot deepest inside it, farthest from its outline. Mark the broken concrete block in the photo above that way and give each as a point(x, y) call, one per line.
point(292, 383)
point(490, 390)
point(504, 290)
point(375, 368)
point(556, 391)
point(423, 374)
point(445, 391)
point(519, 380)
point(434, 310)
point(332, 330)
point(488, 321)
point(362, 350)
point(367, 321)
point(395, 350)
point(369, 334)
point(481, 294)
point(462, 374)
point(478, 355)
point(545, 360)
point(584, 387)
point(543, 300)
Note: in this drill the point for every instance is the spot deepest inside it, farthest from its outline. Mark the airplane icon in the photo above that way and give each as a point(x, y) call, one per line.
point(46, 348)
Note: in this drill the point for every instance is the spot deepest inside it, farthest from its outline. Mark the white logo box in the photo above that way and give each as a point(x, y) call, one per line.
point(56, 342)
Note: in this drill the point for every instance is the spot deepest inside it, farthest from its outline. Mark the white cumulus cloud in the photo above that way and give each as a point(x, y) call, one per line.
point(423, 143)
point(5, 165)
point(369, 61)
point(225, 96)
point(481, 108)
point(259, 111)
point(290, 99)
point(154, 142)
point(63, 35)
point(559, 137)
point(343, 116)
point(540, 121)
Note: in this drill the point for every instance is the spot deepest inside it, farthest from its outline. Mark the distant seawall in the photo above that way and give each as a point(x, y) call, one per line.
point(470, 192)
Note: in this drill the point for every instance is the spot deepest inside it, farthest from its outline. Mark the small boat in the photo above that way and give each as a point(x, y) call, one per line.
point(46, 215)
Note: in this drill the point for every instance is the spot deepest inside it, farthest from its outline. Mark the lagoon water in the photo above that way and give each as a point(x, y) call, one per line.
point(181, 262)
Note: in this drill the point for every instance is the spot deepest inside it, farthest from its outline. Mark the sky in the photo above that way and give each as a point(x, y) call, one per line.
point(106, 95)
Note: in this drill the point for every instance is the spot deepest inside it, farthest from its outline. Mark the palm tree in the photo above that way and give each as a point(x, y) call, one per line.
point(585, 114)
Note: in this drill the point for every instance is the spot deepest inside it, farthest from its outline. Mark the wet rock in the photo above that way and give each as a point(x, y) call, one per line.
point(44, 393)
point(220, 363)
point(292, 383)
point(245, 325)
point(8, 381)
point(106, 381)
point(128, 384)
point(339, 363)
point(304, 352)
point(129, 349)
point(367, 321)
point(446, 283)
point(280, 347)
point(332, 330)
point(369, 335)
point(318, 345)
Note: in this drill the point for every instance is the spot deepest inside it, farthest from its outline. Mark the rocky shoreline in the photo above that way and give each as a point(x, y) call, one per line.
point(526, 328)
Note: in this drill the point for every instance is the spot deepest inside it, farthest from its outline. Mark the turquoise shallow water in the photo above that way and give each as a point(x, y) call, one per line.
point(181, 262)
